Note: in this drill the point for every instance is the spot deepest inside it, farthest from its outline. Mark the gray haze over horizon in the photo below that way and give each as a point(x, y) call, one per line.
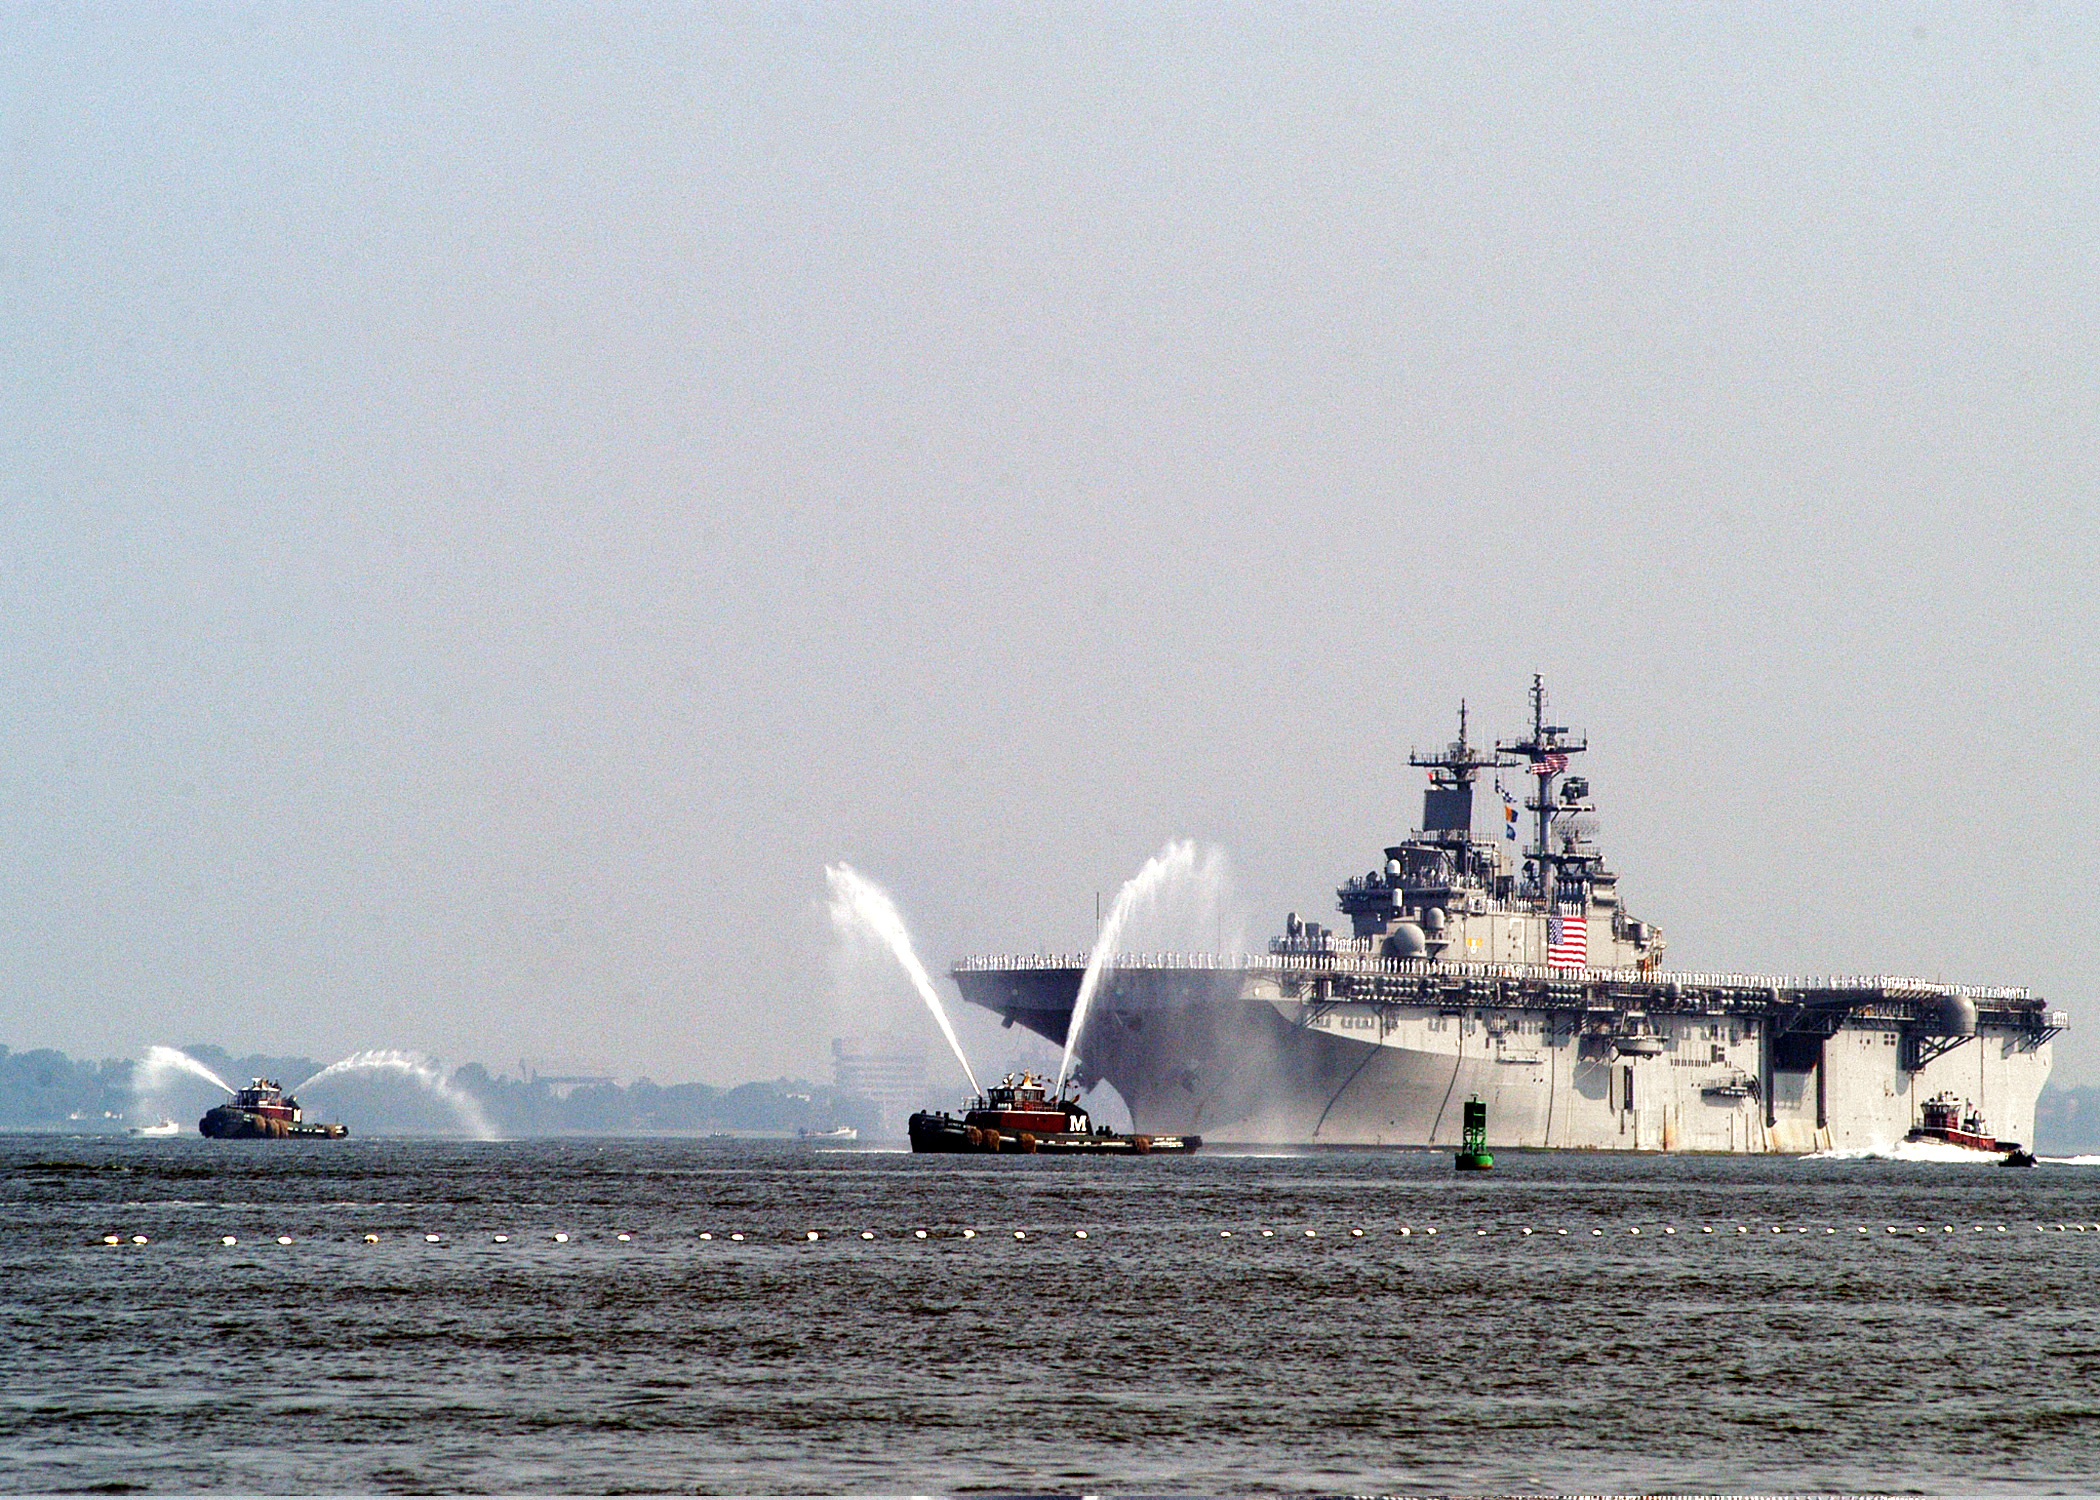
point(496, 499)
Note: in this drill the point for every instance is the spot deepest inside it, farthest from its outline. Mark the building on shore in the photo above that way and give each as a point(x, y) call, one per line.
point(888, 1069)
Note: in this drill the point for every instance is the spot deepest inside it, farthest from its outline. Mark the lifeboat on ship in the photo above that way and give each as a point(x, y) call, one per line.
point(1019, 1115)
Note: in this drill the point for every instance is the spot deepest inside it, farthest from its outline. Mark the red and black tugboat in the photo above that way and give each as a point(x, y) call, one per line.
point(1947, 1121)
point(1018, 1115)
point(264, 1111)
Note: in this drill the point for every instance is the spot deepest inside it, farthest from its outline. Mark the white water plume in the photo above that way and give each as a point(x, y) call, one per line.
point(858, 904)
point(160, 1065)
point(412, 1065)
point(1176, 866)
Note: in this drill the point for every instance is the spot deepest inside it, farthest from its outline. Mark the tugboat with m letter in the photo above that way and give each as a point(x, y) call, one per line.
point(264, 1111)
point(1947, 1122)
point(1017, 1114)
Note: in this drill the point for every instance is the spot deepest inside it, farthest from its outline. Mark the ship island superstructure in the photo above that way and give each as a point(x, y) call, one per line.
point(1470, 968)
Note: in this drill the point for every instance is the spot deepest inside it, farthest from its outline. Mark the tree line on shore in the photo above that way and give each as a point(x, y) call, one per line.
point(46, 1090)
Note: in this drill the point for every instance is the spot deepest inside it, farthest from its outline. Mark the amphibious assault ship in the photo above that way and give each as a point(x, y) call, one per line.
point(1468, 970)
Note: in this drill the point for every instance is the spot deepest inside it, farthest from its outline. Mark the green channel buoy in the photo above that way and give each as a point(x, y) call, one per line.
point(1473, 1153)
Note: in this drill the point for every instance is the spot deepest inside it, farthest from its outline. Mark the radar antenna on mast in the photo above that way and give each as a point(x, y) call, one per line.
point(1448, 806)
point(1545, 756)
point(1460, 763)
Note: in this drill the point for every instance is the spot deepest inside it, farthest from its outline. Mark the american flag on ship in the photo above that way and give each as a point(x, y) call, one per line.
point(1553, 760)
point(1567, 941)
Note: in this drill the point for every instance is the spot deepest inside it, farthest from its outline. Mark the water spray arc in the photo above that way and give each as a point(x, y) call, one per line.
point(859, 904)
point(426, 1073)
point(1177, 863)
point(161, 1064)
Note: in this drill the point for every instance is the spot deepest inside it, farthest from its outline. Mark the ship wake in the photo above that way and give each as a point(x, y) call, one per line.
point(1925, 1151)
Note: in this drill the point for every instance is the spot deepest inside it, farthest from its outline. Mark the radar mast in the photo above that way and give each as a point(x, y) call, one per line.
point(1447, 807)
point(1545, 756)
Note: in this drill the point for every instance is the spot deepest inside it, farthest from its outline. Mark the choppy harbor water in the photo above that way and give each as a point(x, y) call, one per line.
point(1220, 1327)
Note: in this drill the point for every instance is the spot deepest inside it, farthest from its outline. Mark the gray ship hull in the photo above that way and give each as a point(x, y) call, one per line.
point(1262, 1052)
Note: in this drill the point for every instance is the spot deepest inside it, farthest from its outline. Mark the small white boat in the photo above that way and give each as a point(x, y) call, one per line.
point(162, 1126)
point(842, 1133)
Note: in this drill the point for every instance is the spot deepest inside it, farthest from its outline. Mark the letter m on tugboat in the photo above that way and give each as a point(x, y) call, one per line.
point(1018, 1115)
point(264, 1111)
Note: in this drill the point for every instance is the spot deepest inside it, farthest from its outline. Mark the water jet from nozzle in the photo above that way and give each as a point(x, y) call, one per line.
point(1176, 863)
point(858, 904)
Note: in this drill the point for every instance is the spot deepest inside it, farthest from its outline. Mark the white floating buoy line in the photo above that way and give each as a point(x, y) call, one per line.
point(1354, 1232)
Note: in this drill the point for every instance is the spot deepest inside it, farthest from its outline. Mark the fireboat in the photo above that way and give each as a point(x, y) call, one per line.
point(264, 1111)
point(1946, 1120)
point(1019, 1115)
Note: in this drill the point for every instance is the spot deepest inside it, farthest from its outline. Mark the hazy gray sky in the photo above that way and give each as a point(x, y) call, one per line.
point(496, 497)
